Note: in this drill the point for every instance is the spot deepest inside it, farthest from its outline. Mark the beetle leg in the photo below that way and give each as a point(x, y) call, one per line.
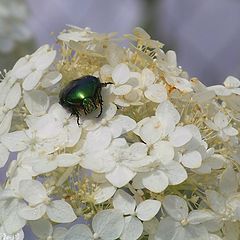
point(105, 84)
point(99, 96)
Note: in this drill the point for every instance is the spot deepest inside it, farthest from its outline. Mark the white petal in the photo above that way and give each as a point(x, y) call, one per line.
point(155, 181)
point(98, 139)
point(147, 209)
point(32, 213)
point(108, 224)
point(171, 58)
point(59, 233)
point(13, 96)
point(36, 101)
point(22, 71)
point(221, 120)
point(109, 112)
point(13, 222)
point(175, 172)
point(5, 125)
point(156, 93)
point(67, 160)
point(123, 124)
point(228, 182)
point(180, 137)
point(4, 154)
point(191, 159)
point(230, 131)
point(42, 228)
point(133, 228)
point(216, 201)
point(231, 82)
point(163, 151)
point(180, 83)
point(170, 230)
point(220, 90)
point(138, 150)
point(104, 192)
point(121, 73)
point(43, 60)
point(151, 131)
point(167, 110)
point(124, 202)
point(200, 216)
point(31, 81)
point(45, 166)
point(151, 226)
point(32, 191)
point(120, 176)
point(148, 77)
point(79, 232)
point(61, 212)
point(15, 141)
point(176, 207)
point(51, 78)
point(122, 90)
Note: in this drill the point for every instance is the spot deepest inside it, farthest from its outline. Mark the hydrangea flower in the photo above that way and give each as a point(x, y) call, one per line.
point(160, 162)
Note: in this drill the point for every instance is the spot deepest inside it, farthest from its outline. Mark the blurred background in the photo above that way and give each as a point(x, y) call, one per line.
point(205, 34)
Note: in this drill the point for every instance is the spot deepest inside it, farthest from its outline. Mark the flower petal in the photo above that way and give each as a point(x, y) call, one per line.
point(133, 228)
point(156, 93)
point(108, 224)
point(13, 96)
point(31, 81)
point(147, 209)
point(32, 213)
point(36, 101)
point(191, 159)
point(4, 154)
point(67, 160)
point(79, 232)
point(176, 207)
point(124, 202)
point(15, 141)
point(155, 181)
point(120, 176)
point(121, 73)
point(32, 191)
point(61, 212)
point(104, 192)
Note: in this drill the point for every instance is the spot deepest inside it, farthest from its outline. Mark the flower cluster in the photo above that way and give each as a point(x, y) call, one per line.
point(161, 162)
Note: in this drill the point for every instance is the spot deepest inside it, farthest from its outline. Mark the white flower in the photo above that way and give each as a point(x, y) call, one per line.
point(159, 126)
point(189, 146)
point(106, 225)
point(108, 125)
point(144, 211)
point(173, 75)
point(180, 224)
point(34, 69)
point(34, 193)
point(162, 170)
point(221, 124)
point(119, 161)
point(231, 86)
point(226, 202)
point(155, 92)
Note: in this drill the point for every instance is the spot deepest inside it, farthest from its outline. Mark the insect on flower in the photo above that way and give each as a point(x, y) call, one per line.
point(82, 96)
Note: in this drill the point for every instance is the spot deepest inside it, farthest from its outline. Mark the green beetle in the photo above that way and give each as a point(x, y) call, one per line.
point(82, 96)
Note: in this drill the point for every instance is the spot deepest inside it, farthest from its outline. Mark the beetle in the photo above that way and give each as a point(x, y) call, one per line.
point(82, 96)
